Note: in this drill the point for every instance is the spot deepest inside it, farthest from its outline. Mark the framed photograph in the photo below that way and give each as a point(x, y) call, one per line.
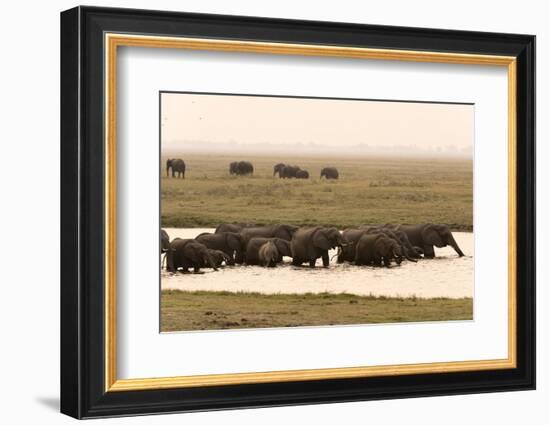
point(261, 212)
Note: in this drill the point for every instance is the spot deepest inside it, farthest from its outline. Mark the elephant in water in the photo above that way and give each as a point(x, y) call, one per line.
point(308, 244)
point(178, 167)
point(268, 254)
point(219, 257)
point(329, 173)
point(426, 236)
point(185, 253)
point(282, 231)
point(164, 241)
point(252, 253)
point(232, 227)
point(230, 243)
point(302, 174)
point(377, 248)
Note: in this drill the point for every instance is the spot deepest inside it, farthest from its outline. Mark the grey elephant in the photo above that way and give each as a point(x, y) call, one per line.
point(282, 231)
point(409, 252)
point(329, 173)
point(277, 168)
point(426, 236)
point(186, 253)
point(289, 171)
point(252, 253)
point(241, 168)
point(409, 249)
point(230, 243)
point(268, 254)
point(219, 257)
point(377, 248)
point(178, 167)
point(232, 227)
point(302, 174)
point(308, 244)
point(164, 241)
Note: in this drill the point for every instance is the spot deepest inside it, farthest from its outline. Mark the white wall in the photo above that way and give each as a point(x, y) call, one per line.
point(29, 305)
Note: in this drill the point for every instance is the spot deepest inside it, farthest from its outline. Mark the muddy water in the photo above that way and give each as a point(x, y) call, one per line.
point(445, 276)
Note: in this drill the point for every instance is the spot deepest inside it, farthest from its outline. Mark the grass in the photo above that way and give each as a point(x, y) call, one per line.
point(199, 310)
point(369, 191)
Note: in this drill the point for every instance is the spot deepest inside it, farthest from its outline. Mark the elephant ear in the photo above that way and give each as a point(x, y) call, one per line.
point(431, 236)
point(283, 247)
point(321, 240)
point(233, 241)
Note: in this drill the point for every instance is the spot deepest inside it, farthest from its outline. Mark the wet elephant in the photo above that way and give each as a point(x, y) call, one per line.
point(241, 168)
point(426, 236)
point(186, 253)
point(308, 244)
point(230, 243)
point(282, 231)
point(252, 253)
point(277, 168)
point(377, 249)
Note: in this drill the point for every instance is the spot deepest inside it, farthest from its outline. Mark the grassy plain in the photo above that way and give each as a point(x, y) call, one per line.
point(198, 310)
point(370, 191)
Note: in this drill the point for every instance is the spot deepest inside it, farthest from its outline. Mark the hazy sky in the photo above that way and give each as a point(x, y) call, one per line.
point(192, 122)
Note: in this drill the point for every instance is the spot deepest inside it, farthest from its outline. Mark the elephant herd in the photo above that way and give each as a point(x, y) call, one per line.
point(245, 168)
point(286, 171)
point(266, 246)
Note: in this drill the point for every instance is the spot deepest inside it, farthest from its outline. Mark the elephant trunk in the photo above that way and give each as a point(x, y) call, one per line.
point(455, 246)
point(210, 261)
point(409, 258)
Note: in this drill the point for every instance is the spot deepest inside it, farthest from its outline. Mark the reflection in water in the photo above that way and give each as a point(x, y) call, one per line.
point(445, 276)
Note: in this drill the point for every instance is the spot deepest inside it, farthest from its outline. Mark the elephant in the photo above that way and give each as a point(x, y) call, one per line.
point(252, 253)
point(268, 254)
point(277, 168)
point(232, 227)
point(302, 174)
point(219, 257)
point(308, 244)
point(164, 241)
point(377, 248)
point(426, 236)
point(409, 252)
point(282, 231)
point(230, 243)
point(185, 253)
point(406, 245)
point(329, 173)
point(289, 171)
point(178, 167)
point(241, 168)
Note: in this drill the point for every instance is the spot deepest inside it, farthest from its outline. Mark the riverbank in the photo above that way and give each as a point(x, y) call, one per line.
point(199, 310)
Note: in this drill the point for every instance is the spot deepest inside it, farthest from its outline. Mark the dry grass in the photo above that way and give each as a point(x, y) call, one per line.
point(199, 310)
point(370, 191)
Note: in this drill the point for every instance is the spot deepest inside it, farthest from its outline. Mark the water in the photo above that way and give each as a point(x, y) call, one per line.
point(445, 276)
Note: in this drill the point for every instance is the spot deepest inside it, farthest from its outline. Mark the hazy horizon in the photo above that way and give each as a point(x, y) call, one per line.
point(204, 123)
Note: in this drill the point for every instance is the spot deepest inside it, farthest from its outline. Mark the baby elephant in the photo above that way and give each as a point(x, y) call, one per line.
point(375, 249)
point(268, 255)
point(219, 257)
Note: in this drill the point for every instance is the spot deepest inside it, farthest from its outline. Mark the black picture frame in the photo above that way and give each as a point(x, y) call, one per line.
point(83, 392)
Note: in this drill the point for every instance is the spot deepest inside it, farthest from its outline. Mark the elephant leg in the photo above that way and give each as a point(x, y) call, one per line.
point(312, 263)
point(296, 261)
point(429, 251)
point(239, 258)
point(326, 259)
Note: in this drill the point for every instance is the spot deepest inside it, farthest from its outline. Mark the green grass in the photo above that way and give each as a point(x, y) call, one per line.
point(199, 310)
point(369, 191)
